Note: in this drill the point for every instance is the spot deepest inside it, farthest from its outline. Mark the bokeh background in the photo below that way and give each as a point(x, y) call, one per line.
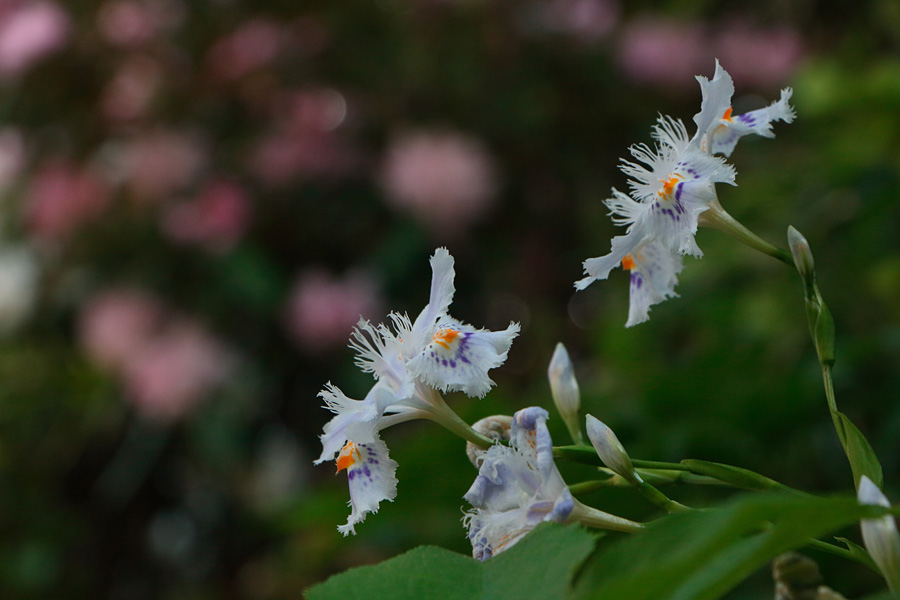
point(201, 197)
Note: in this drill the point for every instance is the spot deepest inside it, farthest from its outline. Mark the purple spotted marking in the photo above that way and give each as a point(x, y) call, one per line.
point(747, 119)
point(636, 280)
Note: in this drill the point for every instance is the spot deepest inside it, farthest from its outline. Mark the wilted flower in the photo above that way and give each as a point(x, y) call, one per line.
point(445, 180)
point(518, 486)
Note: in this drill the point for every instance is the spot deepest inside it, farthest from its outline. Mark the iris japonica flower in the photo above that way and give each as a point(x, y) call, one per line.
point(518, 487)
point(411, 361)
point(671, 185)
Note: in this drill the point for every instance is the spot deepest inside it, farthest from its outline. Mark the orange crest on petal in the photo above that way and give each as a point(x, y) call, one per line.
point(346, 459)
point(444, 337)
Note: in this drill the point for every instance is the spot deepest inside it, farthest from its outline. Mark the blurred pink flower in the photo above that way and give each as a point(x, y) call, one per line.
point(174, 370)
point(253, 45)
point(163, 162)
point(216, 219)
point(280, 157)
point(28, 32)
point(313, 110)
point(584, 20)
point(61, 198)
point(322, 308)
point(168, 363)
point(114, 325)
point(663, 52)
point(132, 87)
point(758, 56)
point(132, 23)
point(447, 180)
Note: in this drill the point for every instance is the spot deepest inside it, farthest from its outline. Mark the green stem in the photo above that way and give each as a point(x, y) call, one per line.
point(598, 519)
point(439, 412)
point(718, 218)
point(659, 465)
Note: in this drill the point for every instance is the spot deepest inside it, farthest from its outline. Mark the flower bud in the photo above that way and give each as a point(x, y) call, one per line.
point(803, 258)
point(495, 427)
point(564, 388)
point(610, 450)
point(880, 535)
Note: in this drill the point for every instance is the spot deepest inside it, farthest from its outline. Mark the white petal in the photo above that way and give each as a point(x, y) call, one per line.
point(726, 134)
point(653, 279)
point(379, 351)
point(716, 100)
point(518, 486)
point(371, 477)
point(599, 267)
point(356, 420)
point(442, 289)
point(458, 357)
point(880, 536)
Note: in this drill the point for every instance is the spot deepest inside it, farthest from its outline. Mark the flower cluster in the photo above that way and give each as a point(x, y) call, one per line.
point(672, 185)
point(411, 362)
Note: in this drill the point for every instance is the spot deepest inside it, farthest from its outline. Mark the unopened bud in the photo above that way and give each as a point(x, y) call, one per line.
point(803, 258)
point(610, 450)
point(564, 388)
point(495, 427)
point(880, 535)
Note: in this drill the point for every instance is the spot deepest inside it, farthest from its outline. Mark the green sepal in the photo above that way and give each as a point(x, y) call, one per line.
point(863, 460)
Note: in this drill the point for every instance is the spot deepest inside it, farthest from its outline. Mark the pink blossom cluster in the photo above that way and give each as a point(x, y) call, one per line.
point(668, 52)
point(168, 363)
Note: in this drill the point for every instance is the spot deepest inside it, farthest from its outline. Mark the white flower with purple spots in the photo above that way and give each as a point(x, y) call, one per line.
point(718, 130)
point(518, 486)
point(410, 361)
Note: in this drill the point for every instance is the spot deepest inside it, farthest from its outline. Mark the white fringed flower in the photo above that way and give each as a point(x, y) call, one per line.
point(518, 486)
point(671, 185)
point(410, 361)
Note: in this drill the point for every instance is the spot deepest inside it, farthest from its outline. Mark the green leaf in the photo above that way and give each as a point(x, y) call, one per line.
point(736, 476)
point(860, 453)
point(540, 567)
point(860, 553)
point(704, 554)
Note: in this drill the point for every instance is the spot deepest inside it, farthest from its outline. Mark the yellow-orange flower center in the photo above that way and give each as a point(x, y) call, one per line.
point(345, 459)
point(628, 262)
point(727, 115)
point(444, 337)
point(668, 185)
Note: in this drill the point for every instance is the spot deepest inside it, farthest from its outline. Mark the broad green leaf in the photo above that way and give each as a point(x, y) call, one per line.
point(862, 458)
point(703, 554)
point(539, 567)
